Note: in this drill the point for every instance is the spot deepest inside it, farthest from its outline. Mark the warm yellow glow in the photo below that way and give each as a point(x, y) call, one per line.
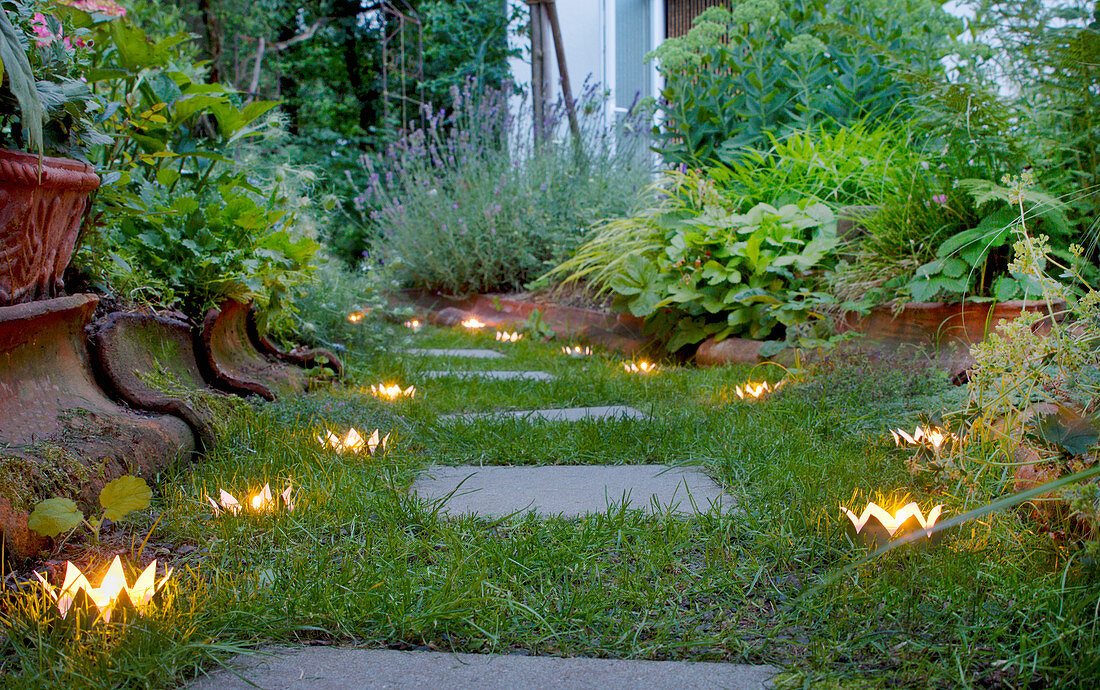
point(576, 351)
point(413, 324)
point(392, 392)
point(107, 594)
point(353, 442)
point(893, 522)
point(356, 317)
point(509, 337)
point(261, 502)
point(752, 391)
point(473, 324)
point(924, 436)
point(642, 367)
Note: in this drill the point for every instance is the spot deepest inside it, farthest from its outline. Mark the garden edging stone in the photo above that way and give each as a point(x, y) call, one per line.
point(619, 332)
point(128, 345)
point(301, 356)
point(60, 435)
point(226, 348)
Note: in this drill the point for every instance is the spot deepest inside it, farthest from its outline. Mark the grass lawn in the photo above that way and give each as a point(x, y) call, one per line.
point(359, 561)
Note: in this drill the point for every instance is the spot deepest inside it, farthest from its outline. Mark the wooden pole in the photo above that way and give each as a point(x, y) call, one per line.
point(559, 49)
point(538, 72)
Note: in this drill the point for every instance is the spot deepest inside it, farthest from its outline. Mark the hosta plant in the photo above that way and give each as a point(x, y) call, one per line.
point(693, 267)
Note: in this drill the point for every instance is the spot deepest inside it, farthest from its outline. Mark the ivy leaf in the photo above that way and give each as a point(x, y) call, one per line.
point(54, 516)
point(124, 495)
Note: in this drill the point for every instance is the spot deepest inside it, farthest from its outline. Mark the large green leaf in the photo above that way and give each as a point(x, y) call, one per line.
point(124, 495)
point(22, 83)
point(54, 516)
point(1067, 429)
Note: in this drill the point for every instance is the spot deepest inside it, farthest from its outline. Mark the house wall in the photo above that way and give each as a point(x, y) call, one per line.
point(594, 37)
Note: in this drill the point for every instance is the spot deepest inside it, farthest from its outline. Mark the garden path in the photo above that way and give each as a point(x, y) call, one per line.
point(553, 490)
point(329, 668)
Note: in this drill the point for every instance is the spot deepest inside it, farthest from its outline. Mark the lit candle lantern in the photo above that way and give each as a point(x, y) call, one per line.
point(754, 391)
point(392, 392)
point(576, 351)
point(260, 502)
point(508, 337)
point(112, 591)
point(877, 526)
point(413, 324)
point(925, 436)
point(473, 324)
point(353, 442)
point(642, 367)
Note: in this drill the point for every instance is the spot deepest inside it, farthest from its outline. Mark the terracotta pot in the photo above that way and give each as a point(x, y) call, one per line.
point(41, 208)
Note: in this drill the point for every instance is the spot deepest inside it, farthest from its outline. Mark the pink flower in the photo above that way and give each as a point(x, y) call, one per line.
point(42, 31)
point(940, 199)
point(107, 7)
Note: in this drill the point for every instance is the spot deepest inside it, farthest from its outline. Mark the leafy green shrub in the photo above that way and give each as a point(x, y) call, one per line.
point(467, 203)
point(179, 222)
point(854, 165)
point(950, 243)
point(774, 68)
point(695, 268)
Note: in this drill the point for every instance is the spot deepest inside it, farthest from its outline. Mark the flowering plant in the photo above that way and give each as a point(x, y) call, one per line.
point(45, 103)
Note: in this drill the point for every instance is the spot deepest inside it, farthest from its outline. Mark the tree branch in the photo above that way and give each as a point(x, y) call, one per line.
point(304, 36)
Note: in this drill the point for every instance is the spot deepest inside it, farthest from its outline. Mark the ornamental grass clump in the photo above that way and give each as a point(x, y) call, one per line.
point(468, 203)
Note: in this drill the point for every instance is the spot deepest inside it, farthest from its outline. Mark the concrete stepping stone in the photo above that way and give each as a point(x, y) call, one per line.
point(460, 352)
point(569, 490)
point(564, 414)
point(330, 668)
point(492, 375)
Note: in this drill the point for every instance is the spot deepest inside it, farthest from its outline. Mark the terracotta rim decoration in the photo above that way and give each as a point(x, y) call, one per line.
point(42, 204)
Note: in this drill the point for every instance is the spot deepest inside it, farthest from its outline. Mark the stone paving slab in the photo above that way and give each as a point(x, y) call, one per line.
point(569, 490)
point(332, 668)
point(461, 352)
point(565, 414)
point(492, 375)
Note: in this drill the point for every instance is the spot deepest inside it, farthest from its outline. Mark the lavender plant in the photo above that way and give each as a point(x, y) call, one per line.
point(468, 202)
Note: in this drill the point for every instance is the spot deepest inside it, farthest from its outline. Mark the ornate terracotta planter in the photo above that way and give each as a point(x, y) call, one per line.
point(41, 208)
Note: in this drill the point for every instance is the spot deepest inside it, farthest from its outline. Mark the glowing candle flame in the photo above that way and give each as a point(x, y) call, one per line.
point(392, 392)
point(473, 324)
point(508, 337)
point(356, 317)
point(414, 324)
point(353, 442)
point(924, 436)
point(577, 351)
point(642, 367)
point(109, 591)
point(753, 391)
point(895, 521)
